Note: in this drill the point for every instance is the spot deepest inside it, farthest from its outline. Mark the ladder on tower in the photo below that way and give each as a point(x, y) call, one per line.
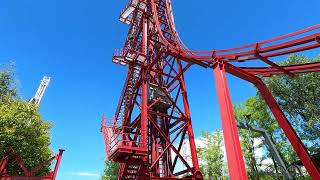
point(42, 88)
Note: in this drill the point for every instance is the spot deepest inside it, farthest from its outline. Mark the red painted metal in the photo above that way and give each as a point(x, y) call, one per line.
point(153, 119)
point(296, 143)
point(29, 174)
point(232, 143)
point(295, 69)
point(290, 133)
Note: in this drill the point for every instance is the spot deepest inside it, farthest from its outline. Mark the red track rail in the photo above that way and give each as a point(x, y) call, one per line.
point(300, 41)
point(296, 69)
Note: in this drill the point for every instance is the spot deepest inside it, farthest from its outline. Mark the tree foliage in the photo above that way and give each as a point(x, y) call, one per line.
point(299, 98)
point(110, 171)
point(22, 128)
point(8, 88)
point(212, 155)
point(254, 112)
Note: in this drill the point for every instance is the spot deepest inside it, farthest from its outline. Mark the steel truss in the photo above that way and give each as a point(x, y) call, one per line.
point(153, 120)
point(29, 173)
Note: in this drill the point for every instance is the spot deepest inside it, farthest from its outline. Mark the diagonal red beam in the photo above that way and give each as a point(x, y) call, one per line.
point(134, 123)
point(36, 169)
point(283, 122)
point(175, 101)
point(170, 65)
point(179, 148)
point(168, 146)
point(272, 64)
point(20, 163)
point(3, 163)
point(266, 60)
point(167, 95)
point(179, 75)
point(168, 141)
point(59, 156)
point(296, 142)
point(186, 107)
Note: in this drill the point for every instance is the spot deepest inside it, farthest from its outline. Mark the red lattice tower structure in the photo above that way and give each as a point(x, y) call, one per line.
point(152, 120)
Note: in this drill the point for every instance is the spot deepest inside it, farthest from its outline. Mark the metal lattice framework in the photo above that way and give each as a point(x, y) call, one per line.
point(153, 120)
point(29, 173)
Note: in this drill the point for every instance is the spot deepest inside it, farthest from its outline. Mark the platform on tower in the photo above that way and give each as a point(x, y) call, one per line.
point(127, 13)
point(127, 56)
point(123, 144)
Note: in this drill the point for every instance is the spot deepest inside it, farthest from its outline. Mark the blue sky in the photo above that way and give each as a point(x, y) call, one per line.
point(72, 41)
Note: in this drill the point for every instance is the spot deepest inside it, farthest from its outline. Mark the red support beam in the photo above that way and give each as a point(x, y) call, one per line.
point(192, 143)
point(290, 133)
point(272, 64)
point(236, 164)
point(29, 174)
point(283, 122)
point(59, 156)
point(168, 146)
point(144, 87)
point(144, 110)
point(3, 163)
point(168, 141)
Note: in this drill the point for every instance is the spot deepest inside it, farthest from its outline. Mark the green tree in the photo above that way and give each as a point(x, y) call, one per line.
point(8, 88)
point(254, 112)
point(212, 155)
point(22, 128)
point(110, 170)
point(299, 98)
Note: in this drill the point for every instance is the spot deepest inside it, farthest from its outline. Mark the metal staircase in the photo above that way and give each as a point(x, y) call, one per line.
point(129, 171)
point(121, 139)
point(127, 96)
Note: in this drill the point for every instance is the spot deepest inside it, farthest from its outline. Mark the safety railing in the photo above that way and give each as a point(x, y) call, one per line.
point(127, 13)
point(125, 56)
point(120, 137)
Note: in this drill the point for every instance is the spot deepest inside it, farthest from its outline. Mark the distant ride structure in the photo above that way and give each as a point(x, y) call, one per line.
point(40, 91)
point(152, 119)
point(12, 155)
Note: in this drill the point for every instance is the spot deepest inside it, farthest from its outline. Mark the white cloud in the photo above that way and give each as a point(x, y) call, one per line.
point(86, 174)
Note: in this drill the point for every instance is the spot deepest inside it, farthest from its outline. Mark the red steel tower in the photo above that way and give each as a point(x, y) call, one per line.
point(153, 121)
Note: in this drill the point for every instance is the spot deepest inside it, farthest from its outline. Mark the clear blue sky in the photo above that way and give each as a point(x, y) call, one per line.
point(72, 41)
